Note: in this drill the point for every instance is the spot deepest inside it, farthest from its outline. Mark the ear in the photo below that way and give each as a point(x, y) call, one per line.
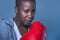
point(16, 9)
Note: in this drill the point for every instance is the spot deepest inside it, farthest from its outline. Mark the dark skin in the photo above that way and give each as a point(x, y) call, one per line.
point(24, 15)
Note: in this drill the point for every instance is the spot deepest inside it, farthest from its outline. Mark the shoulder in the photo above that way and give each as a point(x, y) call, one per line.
point(3, 30)
point(2, 24)
point(5, 23)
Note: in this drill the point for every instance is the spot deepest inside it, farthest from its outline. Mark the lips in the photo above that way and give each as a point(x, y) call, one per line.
point(28, 21)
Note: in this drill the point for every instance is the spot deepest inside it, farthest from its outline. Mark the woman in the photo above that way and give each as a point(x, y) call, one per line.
point(15, 28)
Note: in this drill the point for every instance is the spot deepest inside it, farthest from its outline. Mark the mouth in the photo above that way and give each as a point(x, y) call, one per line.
point(28, 21)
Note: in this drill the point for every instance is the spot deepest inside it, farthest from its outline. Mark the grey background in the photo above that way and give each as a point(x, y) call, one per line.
point(47, 12)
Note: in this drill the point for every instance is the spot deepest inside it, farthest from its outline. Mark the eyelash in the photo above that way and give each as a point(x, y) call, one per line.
point(26, 11)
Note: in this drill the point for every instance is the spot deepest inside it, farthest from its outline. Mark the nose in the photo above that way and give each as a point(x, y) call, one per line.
point(30, 15)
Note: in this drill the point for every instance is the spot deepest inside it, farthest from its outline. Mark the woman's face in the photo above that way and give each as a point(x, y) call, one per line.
point(26, 12)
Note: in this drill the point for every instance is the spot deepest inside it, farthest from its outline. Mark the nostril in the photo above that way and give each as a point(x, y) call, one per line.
point(29, 15)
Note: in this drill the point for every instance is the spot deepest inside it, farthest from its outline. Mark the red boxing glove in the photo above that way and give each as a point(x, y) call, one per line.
point(36, 32)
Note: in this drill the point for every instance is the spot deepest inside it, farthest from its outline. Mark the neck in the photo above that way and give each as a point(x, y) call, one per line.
point(18, 23)
point(22, 28)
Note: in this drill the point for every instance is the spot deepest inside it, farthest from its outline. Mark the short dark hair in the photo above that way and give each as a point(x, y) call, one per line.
point(18, 2)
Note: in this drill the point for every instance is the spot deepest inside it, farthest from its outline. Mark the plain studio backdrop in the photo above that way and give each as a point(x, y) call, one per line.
point(47, 12)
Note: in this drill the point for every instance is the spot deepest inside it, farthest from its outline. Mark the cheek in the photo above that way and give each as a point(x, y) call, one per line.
point(23, 15)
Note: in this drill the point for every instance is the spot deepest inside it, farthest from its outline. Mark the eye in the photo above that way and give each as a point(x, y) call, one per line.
point(33, 11)
point(26, 11)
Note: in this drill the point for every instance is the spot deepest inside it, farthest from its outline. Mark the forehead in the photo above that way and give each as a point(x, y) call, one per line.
point(27, 4)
